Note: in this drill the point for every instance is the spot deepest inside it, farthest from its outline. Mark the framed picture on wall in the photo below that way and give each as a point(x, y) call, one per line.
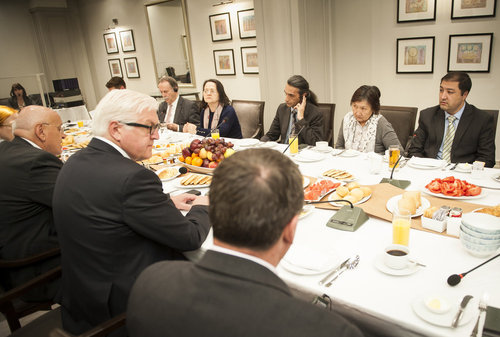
point(416, 10)
point(110, 43)
point(131, 67)
point(224, 62)
point(115, 67)
point(246, 24)
point(127, 38)
point(220, 26)
point(470, 52)
point(249, 60)
point(461, 9)
point(415, 55)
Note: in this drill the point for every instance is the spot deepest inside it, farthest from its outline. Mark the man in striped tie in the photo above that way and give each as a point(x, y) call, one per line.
point(455, 130)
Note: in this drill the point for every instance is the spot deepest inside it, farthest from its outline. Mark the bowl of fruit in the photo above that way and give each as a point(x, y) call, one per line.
point(203, 155)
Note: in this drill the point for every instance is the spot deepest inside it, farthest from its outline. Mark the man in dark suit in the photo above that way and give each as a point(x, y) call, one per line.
point(112, 216)
point(28, 172)
point(455, 130)
point(255, 199)
point(299, 113)
point(176, 111)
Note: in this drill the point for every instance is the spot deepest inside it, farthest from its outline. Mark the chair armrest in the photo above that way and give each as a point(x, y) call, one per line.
point(105, 328)
point(18, 263)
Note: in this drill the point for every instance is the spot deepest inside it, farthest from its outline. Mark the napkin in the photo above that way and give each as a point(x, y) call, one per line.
point(309, 155)
point(429, 162)
point(307, 258)
point(492, 322)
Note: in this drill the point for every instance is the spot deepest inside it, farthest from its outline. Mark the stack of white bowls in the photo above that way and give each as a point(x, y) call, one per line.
point(480, 234)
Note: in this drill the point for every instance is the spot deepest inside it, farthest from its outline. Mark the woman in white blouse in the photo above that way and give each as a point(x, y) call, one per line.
point(364, 129)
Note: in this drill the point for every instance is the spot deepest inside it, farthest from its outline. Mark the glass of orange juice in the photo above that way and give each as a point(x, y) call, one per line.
point(215, 134)
point(293, 140)
point(401, 223)
point(393, 156)
point(80, 124)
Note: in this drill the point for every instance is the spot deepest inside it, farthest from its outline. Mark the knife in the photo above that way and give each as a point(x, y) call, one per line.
point(460, 312)
point(454, 167)
point(327, 277)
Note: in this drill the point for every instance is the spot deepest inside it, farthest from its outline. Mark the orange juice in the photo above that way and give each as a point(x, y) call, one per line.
point(80, 124)
point(215, 134)
point(294, 144)
point(400, 231)
point(393, 156)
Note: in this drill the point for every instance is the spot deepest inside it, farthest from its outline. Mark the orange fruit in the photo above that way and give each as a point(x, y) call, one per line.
point(197, 161)
point(188, 160)
point(194, 155)
point(181, 159)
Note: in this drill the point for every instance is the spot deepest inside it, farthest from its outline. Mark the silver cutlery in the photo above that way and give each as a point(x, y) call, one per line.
point(460, 311)
point(482, 308)
point(338, 154)
point(453, 167)
point(349, 265)
point(330, 274)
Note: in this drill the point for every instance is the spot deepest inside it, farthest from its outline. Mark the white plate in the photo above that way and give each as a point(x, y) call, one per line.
point(446, 318)
point(425, 163)
point(340, 204)
point(248, 142)
point(306, 210)
point(269, 145)
point(392, 204)
point(463, 168)
point(496, 177)
point(381, 266)
point(308, 156)
point(440, 195)
point(350, 153)
point(325, 150)
point(304, 260)
point(305, 182)
point(175, 168)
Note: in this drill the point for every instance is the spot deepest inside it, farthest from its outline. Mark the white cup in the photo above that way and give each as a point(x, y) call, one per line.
point(376, 163)
point(322, 146)
point(397, 257)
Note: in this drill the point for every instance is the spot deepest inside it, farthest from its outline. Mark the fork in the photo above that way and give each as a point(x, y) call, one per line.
point(350, 265)
point(482, 308)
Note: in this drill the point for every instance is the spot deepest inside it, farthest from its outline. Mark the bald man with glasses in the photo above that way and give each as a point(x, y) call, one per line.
point(112, 217)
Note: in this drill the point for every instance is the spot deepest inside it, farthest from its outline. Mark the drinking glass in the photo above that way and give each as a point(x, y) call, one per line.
point(80, 124)
point(215, 134)
point(293, 140)
point(401, 223)
point(393, 156)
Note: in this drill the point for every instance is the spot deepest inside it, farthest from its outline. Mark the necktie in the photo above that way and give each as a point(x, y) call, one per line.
point(448, 139)
point(168, 118)
point(291, 126)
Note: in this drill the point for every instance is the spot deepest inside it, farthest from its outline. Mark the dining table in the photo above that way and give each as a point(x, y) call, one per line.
point(382, 301)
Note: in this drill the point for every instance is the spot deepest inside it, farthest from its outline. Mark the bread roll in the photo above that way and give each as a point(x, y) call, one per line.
point(415, 196)
point(334, 196)
point(352, 185)
point(358, 193)
point(366, 191)
point(351, 198)
point(407, 205)
point(342, 191)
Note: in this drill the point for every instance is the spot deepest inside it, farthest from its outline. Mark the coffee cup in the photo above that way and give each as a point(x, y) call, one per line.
point(397, 257)
point(322, 146)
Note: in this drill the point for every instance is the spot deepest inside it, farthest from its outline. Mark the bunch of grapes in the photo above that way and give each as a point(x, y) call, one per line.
point(207, 152)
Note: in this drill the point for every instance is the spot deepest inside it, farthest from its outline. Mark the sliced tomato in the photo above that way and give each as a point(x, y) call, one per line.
point(473, 190)
point(434, 186)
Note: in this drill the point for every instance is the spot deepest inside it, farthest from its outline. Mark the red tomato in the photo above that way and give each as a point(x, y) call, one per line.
point(473, 190)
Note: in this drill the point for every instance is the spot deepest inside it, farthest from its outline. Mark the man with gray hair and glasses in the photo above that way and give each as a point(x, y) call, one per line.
point(112, 217)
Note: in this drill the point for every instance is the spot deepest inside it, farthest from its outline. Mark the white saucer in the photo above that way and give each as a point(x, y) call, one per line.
point(325, 150)
point(392, 204)
point(308, 156)
point(446, 318)
point(381, 266)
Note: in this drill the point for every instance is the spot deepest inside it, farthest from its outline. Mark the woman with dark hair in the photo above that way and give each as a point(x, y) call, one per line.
point(216, 113)
point(364, 129)
point(18, 97)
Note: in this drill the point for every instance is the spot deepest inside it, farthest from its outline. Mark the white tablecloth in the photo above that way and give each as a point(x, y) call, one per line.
point(382, 300)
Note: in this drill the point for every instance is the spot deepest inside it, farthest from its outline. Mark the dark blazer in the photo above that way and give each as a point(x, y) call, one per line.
point(223, 295)
point(474, 137)
point(27, 179)
point(186, 111)
point(312, 123)
point(13, 102)
point(113, 220)
point(230, 128)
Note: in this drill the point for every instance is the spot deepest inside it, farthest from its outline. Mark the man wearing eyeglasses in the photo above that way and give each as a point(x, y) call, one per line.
point(112, 216)
point(28, 170)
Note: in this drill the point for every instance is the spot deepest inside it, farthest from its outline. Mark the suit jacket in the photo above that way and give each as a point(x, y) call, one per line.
point(312, 124)
point(230, 128)
point(186, 111)
point(113, 220)
point(13, 102)
point(474, 136)
point(27, 179)
point(223, 295)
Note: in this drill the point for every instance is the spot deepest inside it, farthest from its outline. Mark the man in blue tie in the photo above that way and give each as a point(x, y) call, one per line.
point(455, 130)
point(299, 113)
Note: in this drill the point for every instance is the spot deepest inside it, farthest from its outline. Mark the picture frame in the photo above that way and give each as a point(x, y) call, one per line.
point(249, 60)
point(224, 62)
point(416, 10)
point(246, 24)
point(472, 9)
point(110, 43)
point(470, 52)
point(131, 67)
point(220, 27)
point(415, 55)
point(115, 67)
point(127, 39)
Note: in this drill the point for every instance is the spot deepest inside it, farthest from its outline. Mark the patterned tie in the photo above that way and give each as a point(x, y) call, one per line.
point(448, 139)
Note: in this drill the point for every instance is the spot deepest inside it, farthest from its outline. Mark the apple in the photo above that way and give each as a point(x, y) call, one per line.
point(212, 165)
point(186, 152)
point(203, 153)
point(209, 155)
point(206, 162)
point(229, 152)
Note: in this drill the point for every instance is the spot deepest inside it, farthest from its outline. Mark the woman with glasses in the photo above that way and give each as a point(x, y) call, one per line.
point(216, 113)
point(18, 97)
point(7, 118)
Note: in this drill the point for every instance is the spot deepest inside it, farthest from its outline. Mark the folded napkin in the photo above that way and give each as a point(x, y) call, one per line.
point(429, 162)
point(309, 155)
point(307, 258)
point(492, 322)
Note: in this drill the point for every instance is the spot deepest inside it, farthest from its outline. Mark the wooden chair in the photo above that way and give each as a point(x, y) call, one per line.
point(99, 331)
point(403, 121)
point(11, 304)
point(328, 110)
point(251, 117)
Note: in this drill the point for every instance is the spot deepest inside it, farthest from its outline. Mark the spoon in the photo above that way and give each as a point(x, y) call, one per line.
point(349, 265)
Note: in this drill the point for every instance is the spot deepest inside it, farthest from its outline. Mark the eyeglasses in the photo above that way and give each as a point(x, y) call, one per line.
point(152, 128)
point(59, 127)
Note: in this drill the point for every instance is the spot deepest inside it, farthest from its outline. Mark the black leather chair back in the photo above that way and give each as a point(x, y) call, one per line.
point(403, 120)
point(251, 117)
point(328, 110)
